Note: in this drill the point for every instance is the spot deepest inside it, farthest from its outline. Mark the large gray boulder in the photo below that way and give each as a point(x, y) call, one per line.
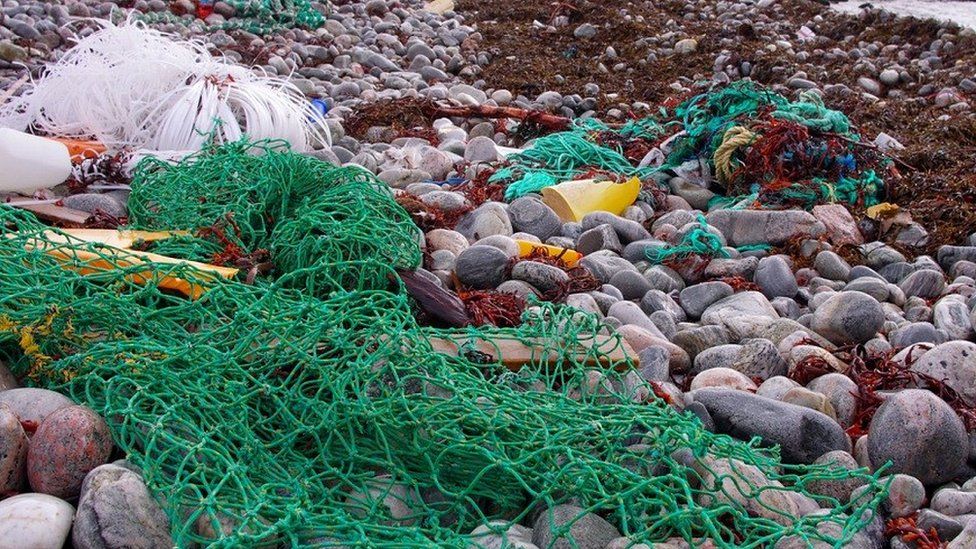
point(568, 526)
point(802, 433)
point(741, 304)
point(848, 317)
point(775, 227)
point(116, 511)
point(920, 435)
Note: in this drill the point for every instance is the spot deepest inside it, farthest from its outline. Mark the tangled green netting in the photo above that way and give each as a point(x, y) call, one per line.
point(700, 127)
point(565, 155)
point(710, 114)
point(299, 210)
point(707, 119)
point(268, 414)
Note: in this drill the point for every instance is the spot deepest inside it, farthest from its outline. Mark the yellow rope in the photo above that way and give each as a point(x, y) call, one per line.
point(734, 138)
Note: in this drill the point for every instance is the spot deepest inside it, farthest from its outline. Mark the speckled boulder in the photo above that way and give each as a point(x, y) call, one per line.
point(116, 511)
point(920, 434)
point(13, 451)
point(71, 442)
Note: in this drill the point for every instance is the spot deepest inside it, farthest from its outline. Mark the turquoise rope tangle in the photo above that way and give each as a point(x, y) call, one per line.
point(698, 241)
point(259, 17)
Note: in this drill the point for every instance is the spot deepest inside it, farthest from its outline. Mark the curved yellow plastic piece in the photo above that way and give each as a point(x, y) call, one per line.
point(574, 199)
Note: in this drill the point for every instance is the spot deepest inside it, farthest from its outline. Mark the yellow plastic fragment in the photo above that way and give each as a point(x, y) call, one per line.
point(574, 199)
point(121, 238)
point(885, 209)
point(439, 6)
point(113, 254)
point(571, 257)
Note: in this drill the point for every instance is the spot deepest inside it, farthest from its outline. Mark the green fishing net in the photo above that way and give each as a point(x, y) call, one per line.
point(242, 199)
point(306, 406)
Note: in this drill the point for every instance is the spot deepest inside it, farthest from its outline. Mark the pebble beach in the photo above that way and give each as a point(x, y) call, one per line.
point(796, 310)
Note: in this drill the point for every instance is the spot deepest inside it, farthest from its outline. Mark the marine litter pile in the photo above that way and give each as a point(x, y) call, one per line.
point(310, 408)
point(472, 321)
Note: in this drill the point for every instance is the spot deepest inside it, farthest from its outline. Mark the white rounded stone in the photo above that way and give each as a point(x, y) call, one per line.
point(34, 521)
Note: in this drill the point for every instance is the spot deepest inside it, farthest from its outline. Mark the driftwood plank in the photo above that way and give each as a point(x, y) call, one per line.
point(515, 354)
point(58, 215)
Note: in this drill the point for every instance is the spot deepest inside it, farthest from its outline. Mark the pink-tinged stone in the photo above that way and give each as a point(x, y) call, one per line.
point(841, 227)
point(723, 377)
point(639, 339)
point(71, 442)
point(13, 452)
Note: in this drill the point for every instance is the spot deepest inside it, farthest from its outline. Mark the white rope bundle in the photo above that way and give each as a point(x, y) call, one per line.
point(135, 87)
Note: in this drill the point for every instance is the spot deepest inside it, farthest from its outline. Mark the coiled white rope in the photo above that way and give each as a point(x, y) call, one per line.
point(134, 87)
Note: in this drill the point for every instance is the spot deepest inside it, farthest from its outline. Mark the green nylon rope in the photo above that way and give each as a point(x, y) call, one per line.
point(563, 156)
point(698, 241)
point(703, 120)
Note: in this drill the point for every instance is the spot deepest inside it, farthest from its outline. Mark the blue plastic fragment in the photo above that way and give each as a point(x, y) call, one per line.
point(320, 106)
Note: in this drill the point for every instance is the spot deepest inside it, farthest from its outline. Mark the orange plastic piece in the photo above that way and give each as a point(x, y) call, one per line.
point(571, 257)
point(80, 150)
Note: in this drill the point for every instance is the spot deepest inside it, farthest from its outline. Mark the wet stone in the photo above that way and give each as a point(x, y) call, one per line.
point(571, 526)
point(923, 283)
point(848, 317)
point(695, 299)
point(601, 237)
point(697, 340)
point(775, 277)
point(803, 434)
point(488, 219)
point(531, 215)
point(116, 511)
point(832, 266)
point(632, 285)
point(920, 434)
point(545, 278)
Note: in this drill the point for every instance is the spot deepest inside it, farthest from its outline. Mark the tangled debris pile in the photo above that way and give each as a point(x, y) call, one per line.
point(382, 439)
point(898, 76)
point(675, 310)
